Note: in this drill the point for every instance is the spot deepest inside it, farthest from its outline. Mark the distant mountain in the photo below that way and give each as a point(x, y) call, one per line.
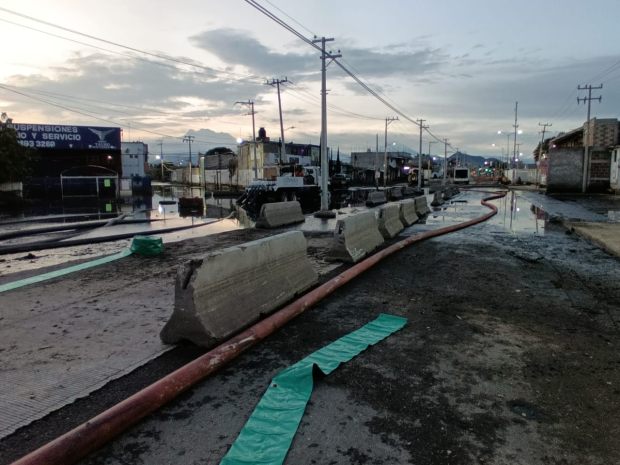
point(472, 160)
point(177, 151)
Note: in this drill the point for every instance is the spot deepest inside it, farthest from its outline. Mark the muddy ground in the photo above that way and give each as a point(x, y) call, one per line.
point(510, 356)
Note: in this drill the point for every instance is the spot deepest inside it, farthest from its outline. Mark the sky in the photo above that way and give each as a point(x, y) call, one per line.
point(460, 66)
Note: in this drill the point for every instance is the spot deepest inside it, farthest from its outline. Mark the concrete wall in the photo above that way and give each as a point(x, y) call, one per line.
point(525, 175)
point(614, 173)
point(565, 170)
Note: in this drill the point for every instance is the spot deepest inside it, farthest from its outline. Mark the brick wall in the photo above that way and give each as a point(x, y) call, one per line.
point(600, 167)
point(603, 132)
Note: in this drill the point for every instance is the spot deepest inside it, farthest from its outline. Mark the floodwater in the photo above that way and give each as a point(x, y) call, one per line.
point(211, 220)
point(515, 213)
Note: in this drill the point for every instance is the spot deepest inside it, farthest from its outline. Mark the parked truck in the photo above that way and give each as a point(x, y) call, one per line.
point(461, 175)
point(301, 186)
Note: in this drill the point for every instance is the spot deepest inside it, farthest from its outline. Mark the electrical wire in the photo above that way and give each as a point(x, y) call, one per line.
point(109, 120)
point(133, 57)
point(116, 44)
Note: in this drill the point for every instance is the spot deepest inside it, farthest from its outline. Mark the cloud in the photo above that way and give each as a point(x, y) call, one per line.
point(130, 82)
point(238, 48)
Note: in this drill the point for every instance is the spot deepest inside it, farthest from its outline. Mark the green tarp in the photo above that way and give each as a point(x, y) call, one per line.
point(268, 434)
point(147, 246)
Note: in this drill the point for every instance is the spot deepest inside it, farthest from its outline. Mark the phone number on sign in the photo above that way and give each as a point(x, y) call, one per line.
point(38, 143)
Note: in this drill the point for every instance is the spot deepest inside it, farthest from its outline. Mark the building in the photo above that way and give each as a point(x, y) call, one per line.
point(71, 160)
point(268, 156)
point(134, 159)
point(567, 152)
point(366, 164)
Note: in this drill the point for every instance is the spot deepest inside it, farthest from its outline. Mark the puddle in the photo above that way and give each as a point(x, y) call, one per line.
point(519, 216)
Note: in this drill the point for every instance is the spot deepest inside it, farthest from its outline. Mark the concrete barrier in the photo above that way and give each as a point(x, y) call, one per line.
point(355, 237)
point(273, 215)
point(397, 193)
point(406, 212)
point(220, 293)
point(389, 221)
point(421, 206)
point(409, 192)
point(375, 198)
point(447, 193)
point(437, 199)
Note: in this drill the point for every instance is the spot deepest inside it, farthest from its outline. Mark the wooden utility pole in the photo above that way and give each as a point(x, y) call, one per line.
point(277, 83)
point(422, 128)
point(586, 132)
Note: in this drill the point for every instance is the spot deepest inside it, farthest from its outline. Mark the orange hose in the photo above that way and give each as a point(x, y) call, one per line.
point(89, 436)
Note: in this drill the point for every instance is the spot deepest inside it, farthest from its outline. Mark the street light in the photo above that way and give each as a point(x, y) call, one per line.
point(239, 140)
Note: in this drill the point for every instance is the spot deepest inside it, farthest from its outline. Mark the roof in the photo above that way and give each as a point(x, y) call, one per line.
point(569, 135)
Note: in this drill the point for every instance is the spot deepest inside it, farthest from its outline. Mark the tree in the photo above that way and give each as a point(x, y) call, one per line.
point(545, 148)
point(220, 150)
point(14, 158)
point(338, 165)
point(156, 171)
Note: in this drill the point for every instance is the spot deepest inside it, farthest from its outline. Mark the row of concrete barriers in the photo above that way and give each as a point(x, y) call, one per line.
point(446, 194)
point(222, 292)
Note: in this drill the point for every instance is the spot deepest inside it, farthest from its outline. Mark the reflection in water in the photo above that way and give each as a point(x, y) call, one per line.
point(520, 216)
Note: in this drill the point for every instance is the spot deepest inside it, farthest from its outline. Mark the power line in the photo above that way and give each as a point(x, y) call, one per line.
point(108, 120)
point(133, 57)
point(609, 70)
point(291, 18)
point(58, 96)
point(161, 57)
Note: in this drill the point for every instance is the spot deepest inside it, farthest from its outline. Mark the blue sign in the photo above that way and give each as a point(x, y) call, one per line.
point(48, 136)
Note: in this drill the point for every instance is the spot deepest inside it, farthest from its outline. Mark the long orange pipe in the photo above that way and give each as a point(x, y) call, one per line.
point(89, 436)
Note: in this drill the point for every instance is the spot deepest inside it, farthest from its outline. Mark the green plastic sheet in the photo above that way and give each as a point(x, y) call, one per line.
point(269, 432)
point(147, 246)
point(64, 271)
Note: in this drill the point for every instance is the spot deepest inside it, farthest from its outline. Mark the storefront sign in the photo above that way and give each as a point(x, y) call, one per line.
point(47, 136)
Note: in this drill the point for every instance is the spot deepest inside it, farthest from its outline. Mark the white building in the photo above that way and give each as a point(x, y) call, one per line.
point(135, 159)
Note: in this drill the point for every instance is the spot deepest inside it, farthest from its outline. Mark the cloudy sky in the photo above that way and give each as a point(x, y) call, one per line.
point(461, 66)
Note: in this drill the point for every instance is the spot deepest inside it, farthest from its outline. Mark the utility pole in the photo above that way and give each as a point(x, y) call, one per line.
point(324, 166)
point(160, 142)
point(515, 139)
point(277, 83)
point(422, 127)
point(430, 142)
point(377, 162)
point(445, 160)
point(586, 135)
point(385, 157)
point(542, 140)
point(518, 157)
point(250, 105)
point(188, 139)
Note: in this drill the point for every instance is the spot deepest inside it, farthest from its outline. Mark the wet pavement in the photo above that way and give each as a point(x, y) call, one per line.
point(506, 359)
